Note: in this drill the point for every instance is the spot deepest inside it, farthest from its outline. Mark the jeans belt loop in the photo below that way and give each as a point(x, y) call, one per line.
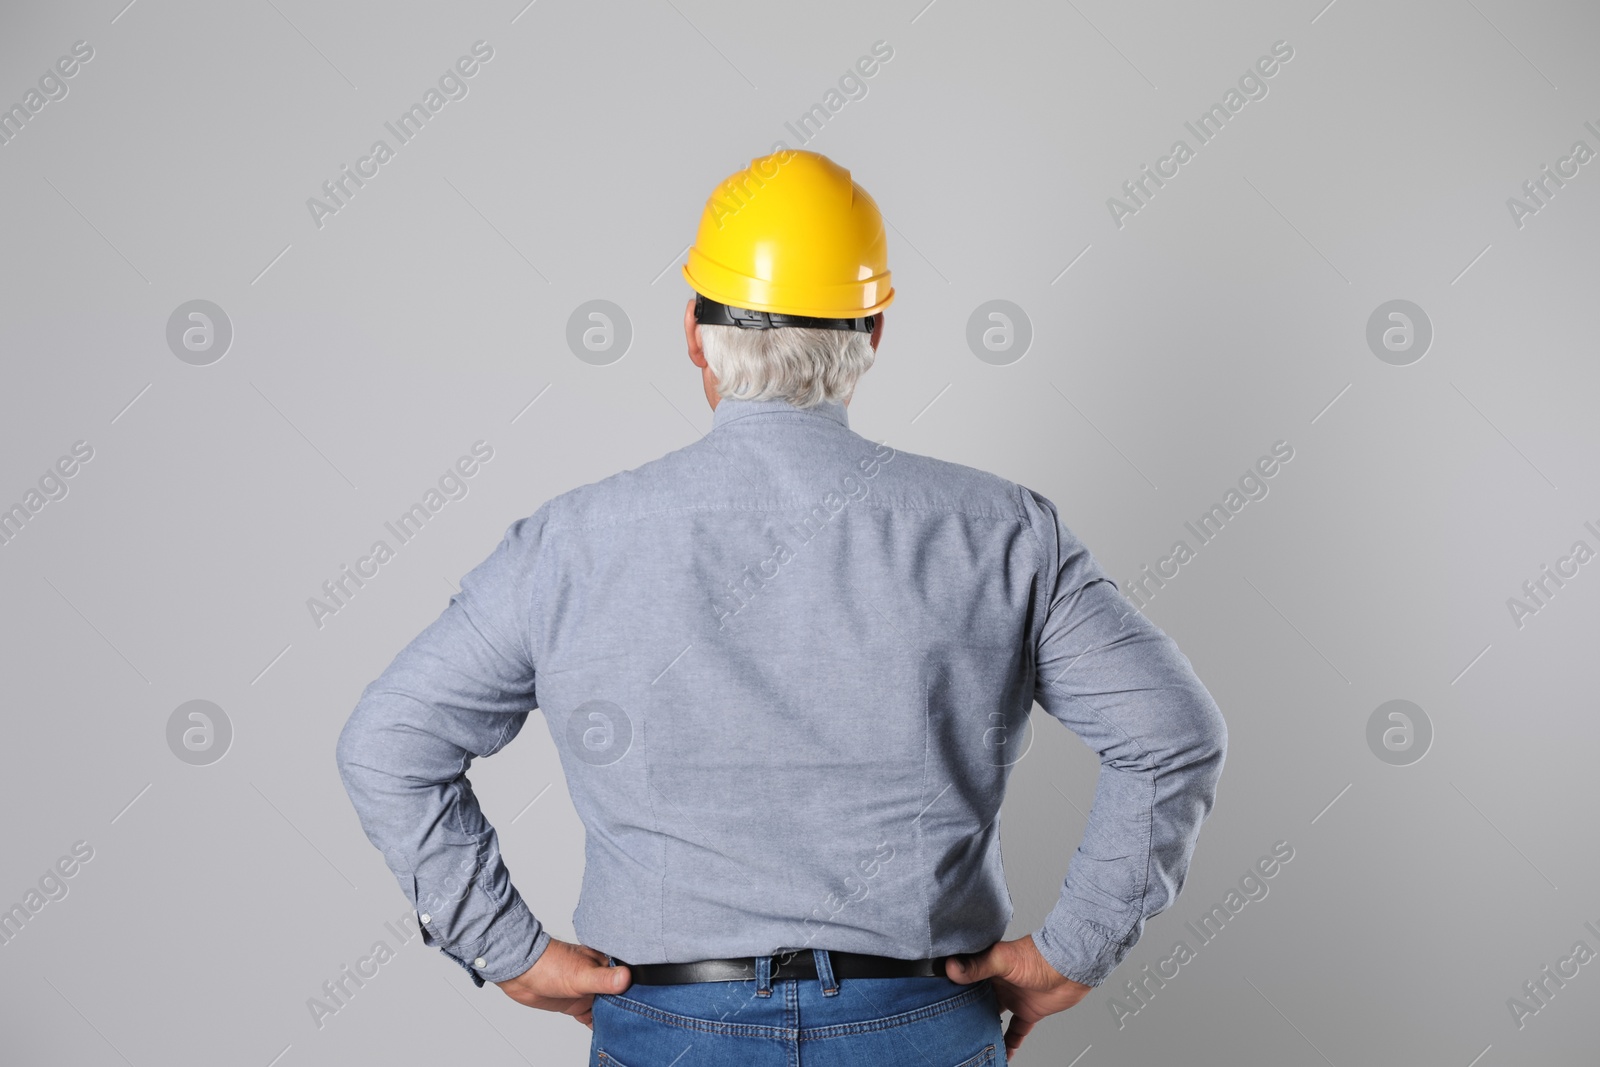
point(763, 976)
point(824, 962)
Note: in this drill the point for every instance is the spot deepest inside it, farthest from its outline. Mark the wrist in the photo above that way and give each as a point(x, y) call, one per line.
point(1077, 951)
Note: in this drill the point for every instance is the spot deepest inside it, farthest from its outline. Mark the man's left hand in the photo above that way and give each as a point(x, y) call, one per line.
point(566, 978)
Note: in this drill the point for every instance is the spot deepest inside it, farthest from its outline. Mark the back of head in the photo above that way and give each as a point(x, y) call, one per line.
point(802, 365)
point(791, 266)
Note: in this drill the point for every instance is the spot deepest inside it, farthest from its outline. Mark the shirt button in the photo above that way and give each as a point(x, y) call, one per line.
point(426, 918)
point(480, 963)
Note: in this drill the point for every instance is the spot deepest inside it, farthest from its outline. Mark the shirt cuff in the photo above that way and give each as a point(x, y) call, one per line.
point(1077, 949)
point(514, 942)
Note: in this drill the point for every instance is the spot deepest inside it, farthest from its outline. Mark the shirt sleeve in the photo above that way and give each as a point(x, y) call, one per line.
point(461, 689)
point(1117, 681)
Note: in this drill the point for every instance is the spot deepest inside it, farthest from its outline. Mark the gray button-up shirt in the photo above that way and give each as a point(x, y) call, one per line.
point(786, 670)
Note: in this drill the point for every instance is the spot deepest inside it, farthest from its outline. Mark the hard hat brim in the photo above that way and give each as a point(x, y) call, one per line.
point(853, 300)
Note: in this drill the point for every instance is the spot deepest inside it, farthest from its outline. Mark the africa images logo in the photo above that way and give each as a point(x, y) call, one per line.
point(340, 190)
point(1212, 121)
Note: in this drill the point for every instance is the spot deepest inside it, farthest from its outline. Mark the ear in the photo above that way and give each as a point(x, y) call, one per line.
point(691, 336)
point(877, 331)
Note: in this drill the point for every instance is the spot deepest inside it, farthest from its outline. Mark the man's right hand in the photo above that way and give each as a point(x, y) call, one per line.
point(1025, 984)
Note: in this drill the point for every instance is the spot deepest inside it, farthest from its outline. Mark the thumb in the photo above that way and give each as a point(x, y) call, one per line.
point(973, 967)
point(602, 979)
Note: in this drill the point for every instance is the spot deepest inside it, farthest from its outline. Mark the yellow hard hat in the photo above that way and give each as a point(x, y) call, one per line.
point(792, 235)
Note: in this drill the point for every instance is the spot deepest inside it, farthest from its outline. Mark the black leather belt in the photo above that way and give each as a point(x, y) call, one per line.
point(800, 964)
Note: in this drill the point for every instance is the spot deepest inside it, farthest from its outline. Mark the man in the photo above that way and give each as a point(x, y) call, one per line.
point(781, 666)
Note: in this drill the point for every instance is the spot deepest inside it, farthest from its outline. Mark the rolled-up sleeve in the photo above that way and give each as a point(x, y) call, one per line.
point(1122, 685)
point(461, 689)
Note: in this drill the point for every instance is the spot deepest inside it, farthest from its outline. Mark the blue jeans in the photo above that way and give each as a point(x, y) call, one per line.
point(820, 1022)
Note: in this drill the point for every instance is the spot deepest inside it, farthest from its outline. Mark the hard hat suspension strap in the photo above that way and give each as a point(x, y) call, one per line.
point(710, 312)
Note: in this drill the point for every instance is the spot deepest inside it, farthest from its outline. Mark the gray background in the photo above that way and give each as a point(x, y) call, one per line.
point(1228, 314)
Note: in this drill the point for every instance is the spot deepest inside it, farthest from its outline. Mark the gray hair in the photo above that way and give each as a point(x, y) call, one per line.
point(801, 365)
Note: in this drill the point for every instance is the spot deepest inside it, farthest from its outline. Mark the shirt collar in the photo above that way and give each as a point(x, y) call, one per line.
point(728, 410)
